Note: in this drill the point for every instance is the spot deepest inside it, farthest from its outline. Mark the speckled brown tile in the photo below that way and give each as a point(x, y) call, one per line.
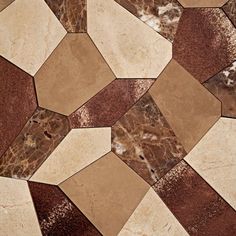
point(56, 213)
point(195, 204)
point(71, 13)
point(110, 104)
point(205, 42)
point(39, 137)
point(230, 10)
point(143, 139)
point(202, 3)
point(17, 102)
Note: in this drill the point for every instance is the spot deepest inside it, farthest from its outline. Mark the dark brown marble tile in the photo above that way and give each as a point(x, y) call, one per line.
point(105, 108)
point(195, 204)
point(57, 215)
point(205, 42)
point(71, 13)
point(161, 15)
point(143, 139)
point(17, 102)
point(39, 137)
point(230, 10)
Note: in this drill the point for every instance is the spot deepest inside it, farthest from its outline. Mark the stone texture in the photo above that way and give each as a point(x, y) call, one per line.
point(202, 3)
point(143, 139)
point(5, 3)
point(86, 73)
point(230, 10)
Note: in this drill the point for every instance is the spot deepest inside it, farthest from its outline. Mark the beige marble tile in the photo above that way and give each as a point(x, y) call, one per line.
point(107, 192)
point(80, 148)
point(17, 214)
point(131, 48)
point(214, 159)
point(202, 3)
point(31, 32)
point(151, 218)
point(5, 3)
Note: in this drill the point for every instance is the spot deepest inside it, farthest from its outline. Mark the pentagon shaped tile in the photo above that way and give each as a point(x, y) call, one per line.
point(230, 10)
point(131, 48)
point(107, 192)
point(202, 3)
point(79, 149)
point(73, 73)
point(31, 32)
point(18, 102)
point(5, 3)
point(205, 42)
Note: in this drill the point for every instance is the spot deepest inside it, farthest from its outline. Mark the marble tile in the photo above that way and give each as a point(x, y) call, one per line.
point(161, 15)
point(205, 42)
point(57, 215)
point(230, 10)
point(214, 159)
point(76, 59)
point(31, 32)
point(39, 137)
point(106, 107)
point(5, 3)
point(143, 139)
point(71, 13)
point(17, 214)
point(107, 192)
point(79, 149)
point(17, 102)
point(152, 216)
point(119, 41)
point(195, 204)
point(188, 107)
point(202, 3)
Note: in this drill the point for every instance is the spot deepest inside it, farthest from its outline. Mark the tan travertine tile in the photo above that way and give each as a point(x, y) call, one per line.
point(17, 214)
point(107, 192)
point(214, 159)
point(73, 73)
point(5, 3)
point(131, 48)
point(31, 32)
point(202, 3)
point(80, 148)
point(152, 216)
point(188, 107)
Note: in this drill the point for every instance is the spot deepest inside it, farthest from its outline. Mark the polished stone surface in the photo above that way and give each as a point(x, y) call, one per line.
point(230, 10)
point(5, 3)
point(202, 3)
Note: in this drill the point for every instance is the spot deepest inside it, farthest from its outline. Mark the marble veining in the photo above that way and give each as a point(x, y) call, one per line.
point(230, 10)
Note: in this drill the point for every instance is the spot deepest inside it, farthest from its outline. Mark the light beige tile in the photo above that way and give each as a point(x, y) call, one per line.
point(107, 192)
point(80, 148)
point(214, 158)
point(31, 32)
point(131, 48)
point(202, 3)
point(17, 214)
point(5, 3)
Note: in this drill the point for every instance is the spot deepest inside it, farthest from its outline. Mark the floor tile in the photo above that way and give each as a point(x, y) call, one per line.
point(230, 10)
point(77, 59)
point(128, 54)
point(39, 137)
point(143, 139)
point(5, 3)
point(197, 207)
point(56, 213)
point(188, 107)
point(205, 42)
point(31, 32)
point(202, 3)
point(80, 148)
point(107, 192)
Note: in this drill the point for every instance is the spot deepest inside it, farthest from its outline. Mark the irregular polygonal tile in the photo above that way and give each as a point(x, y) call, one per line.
point(17, 214)
point(5, 3)
point(71, 13)
point(56, 213)
point(214, 158)
point(152, 217)
point(131, 48)
point(105, 108)
point(143, 139)
point(73, 73)
point(31, 32)
point(17, 103)
point(195, 204)
point(230, 10)
point(107, 192)
point(39, 137)
point(161, 15)
point(188, 107)
point(205, 42)
point(80, 148)
point(202, 3)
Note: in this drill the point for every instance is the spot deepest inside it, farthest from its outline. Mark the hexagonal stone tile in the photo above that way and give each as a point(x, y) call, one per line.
point(202, 3)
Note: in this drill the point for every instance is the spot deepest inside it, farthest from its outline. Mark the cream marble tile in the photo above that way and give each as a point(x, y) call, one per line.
point(17, 214)
point(31, 32)
point(202, 3)
point(80, 148)
point(5, 3)
point(131, 48)
point(214, 159)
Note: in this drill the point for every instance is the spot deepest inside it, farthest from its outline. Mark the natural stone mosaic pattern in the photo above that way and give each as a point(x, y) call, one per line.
point(202, 3)
point(230, 10)
point(5, 3)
